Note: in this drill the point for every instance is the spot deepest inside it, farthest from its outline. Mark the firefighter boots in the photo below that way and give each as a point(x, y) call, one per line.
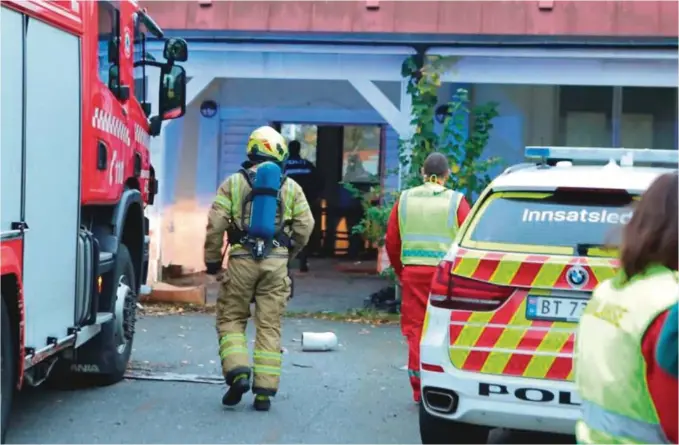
point(239, 386)
point(262, 402)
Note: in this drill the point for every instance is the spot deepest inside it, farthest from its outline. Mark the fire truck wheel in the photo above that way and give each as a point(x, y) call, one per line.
point(105, 357)
point(8, 368)
point(113, 345)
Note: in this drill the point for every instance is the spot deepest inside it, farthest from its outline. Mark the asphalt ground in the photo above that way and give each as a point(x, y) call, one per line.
point(356, 394)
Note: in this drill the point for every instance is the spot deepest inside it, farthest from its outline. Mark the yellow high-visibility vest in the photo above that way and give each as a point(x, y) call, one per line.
point(610, 369)
point(427, 217)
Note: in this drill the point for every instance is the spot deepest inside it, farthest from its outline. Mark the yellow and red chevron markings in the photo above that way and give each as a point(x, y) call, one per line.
point(532, 271)
point(504, 341)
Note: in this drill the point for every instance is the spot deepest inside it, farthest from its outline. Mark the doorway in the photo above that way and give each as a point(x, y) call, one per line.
point(342, 153)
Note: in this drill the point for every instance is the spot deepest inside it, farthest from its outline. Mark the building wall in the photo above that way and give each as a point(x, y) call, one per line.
point(201, 152)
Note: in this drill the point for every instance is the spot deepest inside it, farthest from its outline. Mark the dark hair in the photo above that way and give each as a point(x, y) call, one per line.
point(650, 237)
point(436, 164)
point(294, 147)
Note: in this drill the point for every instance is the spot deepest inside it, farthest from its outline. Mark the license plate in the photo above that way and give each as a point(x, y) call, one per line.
point(555, 308)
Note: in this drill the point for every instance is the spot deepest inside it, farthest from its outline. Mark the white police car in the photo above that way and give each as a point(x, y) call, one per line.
point(497, 343)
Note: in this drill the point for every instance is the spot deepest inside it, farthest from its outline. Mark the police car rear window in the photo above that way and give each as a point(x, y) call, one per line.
point(514, 222)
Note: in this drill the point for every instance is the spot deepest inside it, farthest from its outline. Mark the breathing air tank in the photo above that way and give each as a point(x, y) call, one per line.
point(265, 205)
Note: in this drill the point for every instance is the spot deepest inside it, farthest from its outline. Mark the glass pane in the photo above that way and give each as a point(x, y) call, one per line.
point(106, 23)
point(585, 116)
point(361, 154)
point(306, 135)
point(649, 118)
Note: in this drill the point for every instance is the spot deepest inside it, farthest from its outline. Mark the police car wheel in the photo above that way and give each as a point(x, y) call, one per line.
point(435, 430)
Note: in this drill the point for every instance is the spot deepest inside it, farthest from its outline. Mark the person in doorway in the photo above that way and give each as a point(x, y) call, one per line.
point(419, 233)
point(627, 396)
point(251, 272)
point(304, 173)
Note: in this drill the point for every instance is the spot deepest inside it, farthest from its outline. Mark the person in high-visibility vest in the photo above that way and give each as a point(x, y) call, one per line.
point(627, 397)
point(421, 228)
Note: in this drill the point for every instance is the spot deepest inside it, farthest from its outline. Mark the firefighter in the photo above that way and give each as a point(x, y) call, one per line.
point(626, 395)
point(247, 274)
point(421, 228)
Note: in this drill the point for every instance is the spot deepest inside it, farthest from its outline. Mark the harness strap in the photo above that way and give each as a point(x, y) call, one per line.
point(260, 248)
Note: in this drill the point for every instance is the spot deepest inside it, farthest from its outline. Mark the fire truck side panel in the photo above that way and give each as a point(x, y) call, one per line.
point(12, 105)
point(52, 181)
point(11, 172)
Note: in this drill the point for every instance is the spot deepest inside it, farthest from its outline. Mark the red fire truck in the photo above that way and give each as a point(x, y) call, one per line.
point(75, 181)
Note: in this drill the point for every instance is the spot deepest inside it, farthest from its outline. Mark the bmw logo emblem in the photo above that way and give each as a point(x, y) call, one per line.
point(577, 277)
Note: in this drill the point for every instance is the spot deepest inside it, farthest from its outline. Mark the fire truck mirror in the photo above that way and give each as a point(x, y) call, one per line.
point(176, 50)
point(172, 99)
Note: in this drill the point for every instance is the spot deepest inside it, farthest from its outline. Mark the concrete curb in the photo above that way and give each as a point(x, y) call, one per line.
point(168, 293)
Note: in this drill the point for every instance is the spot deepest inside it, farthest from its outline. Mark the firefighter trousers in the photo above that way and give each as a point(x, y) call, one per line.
point(268, 281)
point(415, 282)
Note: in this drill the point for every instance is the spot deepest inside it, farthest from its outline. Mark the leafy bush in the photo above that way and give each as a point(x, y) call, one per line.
point(463, 148)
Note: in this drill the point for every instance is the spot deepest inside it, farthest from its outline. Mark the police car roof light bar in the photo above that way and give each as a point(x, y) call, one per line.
point(624, 156)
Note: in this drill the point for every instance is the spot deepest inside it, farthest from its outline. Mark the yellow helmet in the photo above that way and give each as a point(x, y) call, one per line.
point(266, 144)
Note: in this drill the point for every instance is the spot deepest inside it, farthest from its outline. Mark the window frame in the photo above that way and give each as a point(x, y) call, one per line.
point(139, 43)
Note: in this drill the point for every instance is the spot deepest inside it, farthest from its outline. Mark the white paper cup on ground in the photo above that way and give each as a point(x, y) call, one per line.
point(318, 341)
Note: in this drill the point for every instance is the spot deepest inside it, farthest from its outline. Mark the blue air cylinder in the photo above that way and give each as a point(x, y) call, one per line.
point(264, 207)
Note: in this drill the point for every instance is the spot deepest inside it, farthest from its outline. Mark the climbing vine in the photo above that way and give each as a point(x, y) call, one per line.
point(463, 139)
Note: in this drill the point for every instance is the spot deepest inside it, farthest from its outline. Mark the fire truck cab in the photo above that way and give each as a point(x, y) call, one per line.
point(76, 178)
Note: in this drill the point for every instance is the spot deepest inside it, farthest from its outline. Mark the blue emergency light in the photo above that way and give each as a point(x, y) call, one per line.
point(626, 157)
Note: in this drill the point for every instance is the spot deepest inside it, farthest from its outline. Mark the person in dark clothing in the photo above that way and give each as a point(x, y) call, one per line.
point(304, 172)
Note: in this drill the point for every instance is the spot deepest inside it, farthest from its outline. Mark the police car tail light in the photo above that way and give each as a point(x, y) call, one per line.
point(450, 291)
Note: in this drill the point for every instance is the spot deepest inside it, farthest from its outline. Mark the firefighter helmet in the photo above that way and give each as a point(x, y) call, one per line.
point(266, 144)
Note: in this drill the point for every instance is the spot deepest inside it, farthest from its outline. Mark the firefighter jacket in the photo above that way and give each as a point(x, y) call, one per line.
point(227, 209)
point(428, 223)
point(610, 369)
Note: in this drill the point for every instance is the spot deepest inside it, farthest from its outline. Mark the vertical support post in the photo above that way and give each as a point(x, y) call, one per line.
point(155, 212)
point(616, 118)
point(406, 107)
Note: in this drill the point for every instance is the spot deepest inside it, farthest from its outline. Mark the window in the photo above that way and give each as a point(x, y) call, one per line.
point(585, 116)
point(109, 26)
point(306, 134)
point(649, 118)
point(551, 220)
point(140, 79)
point(633, 117)
point(361, 154)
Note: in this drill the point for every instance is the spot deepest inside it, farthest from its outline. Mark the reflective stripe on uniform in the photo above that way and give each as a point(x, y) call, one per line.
point(270, 370)
point(223, 201)
point(276, 356)
point(621, 427)
point(422, 253)
point(230, 344)
point(267, 362)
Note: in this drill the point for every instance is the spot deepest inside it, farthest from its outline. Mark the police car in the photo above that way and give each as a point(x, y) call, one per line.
point(498, 336)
